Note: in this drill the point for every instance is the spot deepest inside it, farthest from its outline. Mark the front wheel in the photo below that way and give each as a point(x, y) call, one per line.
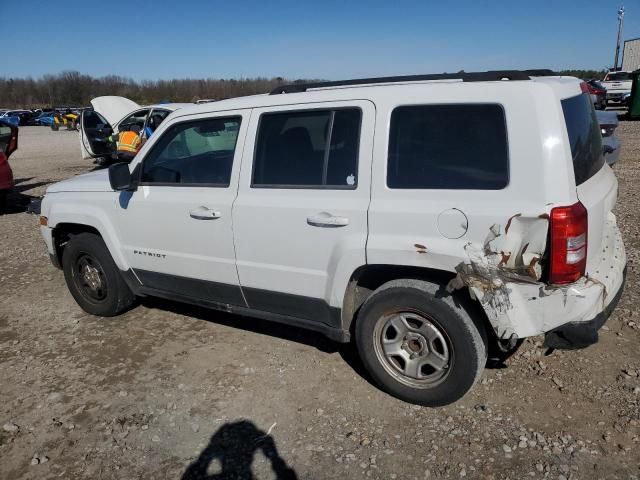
point(54, 127)
point(93, 278)
point(419, 344)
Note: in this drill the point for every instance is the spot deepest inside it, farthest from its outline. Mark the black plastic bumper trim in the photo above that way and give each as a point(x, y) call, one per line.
point(576, 335)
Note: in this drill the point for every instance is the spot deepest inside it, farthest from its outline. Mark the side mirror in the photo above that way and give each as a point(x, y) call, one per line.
point(120, 178)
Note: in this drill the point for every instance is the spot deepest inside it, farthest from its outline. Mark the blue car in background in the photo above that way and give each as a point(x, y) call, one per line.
point(10, 117)
point(44, 119)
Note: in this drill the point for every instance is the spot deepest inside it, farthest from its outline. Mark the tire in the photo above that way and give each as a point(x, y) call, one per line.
point(100, 289)
point(421, 320)
point(4, 195)
point(101, 161)
point(54, 127)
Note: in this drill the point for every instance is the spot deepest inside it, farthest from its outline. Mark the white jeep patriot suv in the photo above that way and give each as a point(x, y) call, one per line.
point(429, 218)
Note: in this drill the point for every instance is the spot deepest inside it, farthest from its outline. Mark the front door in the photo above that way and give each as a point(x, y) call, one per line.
point(176, 227)
point(94, 135)
point(300, 219)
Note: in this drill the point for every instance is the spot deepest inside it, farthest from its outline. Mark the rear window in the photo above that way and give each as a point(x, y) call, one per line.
point(448, 147)
point(584, 136)
point(617, 77)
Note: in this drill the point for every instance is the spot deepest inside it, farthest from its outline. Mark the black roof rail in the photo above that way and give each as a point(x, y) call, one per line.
point(494, 75)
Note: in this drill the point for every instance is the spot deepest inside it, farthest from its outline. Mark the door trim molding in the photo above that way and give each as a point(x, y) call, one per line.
point(294, 310)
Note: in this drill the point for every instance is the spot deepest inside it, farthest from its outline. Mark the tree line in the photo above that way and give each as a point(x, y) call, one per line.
point(77, 89)
point(72, 88)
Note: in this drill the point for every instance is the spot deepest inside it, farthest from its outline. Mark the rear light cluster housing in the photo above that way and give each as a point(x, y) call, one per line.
point(569, 241)
point(595, 91)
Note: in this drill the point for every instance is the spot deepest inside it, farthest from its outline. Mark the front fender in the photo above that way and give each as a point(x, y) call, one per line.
point(79, 211)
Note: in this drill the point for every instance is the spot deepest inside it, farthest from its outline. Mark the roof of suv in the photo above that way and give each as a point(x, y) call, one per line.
point(362, 88)
point(168, 106)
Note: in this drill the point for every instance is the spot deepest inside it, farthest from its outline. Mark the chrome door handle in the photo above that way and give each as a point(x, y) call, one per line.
point(325, 219)
point(204, 213)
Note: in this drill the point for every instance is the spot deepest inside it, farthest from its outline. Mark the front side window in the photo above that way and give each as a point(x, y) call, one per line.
point(198, 152)
point(314, 148)
point(137, 118)
point(461, 146)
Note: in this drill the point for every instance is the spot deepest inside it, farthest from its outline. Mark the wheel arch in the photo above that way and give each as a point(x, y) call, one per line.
point(368, 278)
point(63, 231)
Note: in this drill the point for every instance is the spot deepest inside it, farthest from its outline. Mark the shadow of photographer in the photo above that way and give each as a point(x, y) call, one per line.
point(234, 446)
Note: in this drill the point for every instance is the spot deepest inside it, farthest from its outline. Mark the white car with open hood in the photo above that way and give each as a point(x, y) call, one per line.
point(432, 219)
point(113, 114)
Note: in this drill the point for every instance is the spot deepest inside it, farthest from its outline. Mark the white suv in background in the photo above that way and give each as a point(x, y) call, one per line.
point(618, 85)
point(429, 218)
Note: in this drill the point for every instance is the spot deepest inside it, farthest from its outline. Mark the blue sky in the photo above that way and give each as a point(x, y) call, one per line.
point(329, 39)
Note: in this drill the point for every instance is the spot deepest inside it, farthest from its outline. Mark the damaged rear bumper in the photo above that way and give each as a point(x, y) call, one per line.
point(575, 335)
point(518, 305)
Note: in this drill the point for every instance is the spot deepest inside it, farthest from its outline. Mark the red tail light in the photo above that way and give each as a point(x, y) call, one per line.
point(569, 227)
point(584, 87)
point(595, 91)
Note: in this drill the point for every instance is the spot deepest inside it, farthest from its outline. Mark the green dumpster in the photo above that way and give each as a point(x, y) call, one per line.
point(633, 101)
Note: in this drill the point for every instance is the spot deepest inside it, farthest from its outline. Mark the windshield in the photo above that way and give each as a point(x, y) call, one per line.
point(584, 136)
point(617, 77)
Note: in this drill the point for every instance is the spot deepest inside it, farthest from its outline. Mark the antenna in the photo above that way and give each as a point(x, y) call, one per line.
point(620, 25)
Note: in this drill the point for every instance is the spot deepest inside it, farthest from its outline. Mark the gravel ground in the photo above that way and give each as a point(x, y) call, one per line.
point(172, 391)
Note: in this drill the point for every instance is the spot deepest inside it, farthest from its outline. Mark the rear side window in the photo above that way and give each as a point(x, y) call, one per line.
point(585, 137)
point(448, 147)
point(198, 152)
point(309, 149)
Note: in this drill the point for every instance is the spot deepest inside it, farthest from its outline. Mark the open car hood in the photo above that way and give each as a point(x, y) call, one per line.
point(113, 108)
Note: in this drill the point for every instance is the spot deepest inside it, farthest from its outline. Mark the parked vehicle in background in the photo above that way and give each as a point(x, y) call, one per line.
point(11, 116)
point(12, 120)
point(598, 94)
point(611, 143)
point(618, 86)
point(44, 119)
point(66, 119)
point(27, 119)
point(8, 145)
point(406, 213)
point(111, 115)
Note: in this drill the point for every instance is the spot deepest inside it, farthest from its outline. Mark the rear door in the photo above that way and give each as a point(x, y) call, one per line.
point(300, 219)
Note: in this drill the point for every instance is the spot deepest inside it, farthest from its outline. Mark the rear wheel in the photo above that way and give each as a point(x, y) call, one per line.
point(93, 278)
point(54, 127)
point(419, 344)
